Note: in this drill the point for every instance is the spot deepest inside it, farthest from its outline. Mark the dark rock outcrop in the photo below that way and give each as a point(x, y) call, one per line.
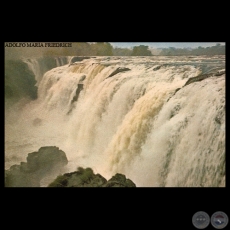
point(118, 70)
point(157, 68)
point(198, 78)
point(204, 76)
point(39, 164)
point(19, 81)
point(86, 178)
point(77, 59)
point(220, 73)
point(78, 90)
point(119, 180)
point(49, 161)
point(80, 178)
point(80, 87)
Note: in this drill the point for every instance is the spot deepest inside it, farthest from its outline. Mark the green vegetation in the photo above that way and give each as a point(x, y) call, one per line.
point(213, 50)
point(85, 174)
point(141, 51)
point(106, 49)
point(75, 179)
point(119, 180)
point(122, 52)
point(46, 161)
point(86, 178)
point(17, 87)
point(82, 49)
point(60, 181)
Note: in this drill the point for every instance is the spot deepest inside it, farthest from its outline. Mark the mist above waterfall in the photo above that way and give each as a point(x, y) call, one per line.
point(131, 115)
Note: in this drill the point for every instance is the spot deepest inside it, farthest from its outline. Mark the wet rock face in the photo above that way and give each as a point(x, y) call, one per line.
point(46, 159)
point(77, 59)
point(204, 76)
point(198, 78)
point(86, 178)
point(80, 178)
point(118, 70)
point(119, 180)
point(39, 164)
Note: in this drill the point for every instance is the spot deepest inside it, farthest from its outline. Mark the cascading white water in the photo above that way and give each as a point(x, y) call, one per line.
point(60, 61)
point(127, 118)
point(39, 66)
point(35, 67)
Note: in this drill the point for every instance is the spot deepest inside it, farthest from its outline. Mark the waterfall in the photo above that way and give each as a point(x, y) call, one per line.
point(133, 115)
point(39, 66)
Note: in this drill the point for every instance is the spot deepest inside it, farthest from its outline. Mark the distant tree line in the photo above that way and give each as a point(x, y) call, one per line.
point(106, 49)
point(99, 49)
point(213, 50)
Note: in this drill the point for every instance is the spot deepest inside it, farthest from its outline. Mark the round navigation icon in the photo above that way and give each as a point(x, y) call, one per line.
point(219, 220)
point(201, 220)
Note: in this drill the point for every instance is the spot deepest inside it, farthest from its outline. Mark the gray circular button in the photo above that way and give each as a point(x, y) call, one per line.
point(201, 220)
point(219, 220)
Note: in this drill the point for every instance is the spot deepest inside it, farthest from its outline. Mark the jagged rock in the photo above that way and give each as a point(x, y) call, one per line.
point(77, 59)
point(39, 164)
point(17, 178)
point(198, 78)
point(46, 159)
point(86, 178)
point(173, 94)
point(219, 73)
point(156, 68)
point(177, 90)
point(118, 70)
point(77, 93)
point(82, 78)
point(119, 180)
point(80, 178)
point(78, 90)
point(204, 76)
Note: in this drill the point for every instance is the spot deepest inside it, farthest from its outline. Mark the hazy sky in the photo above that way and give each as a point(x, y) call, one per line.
point(165, 44)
